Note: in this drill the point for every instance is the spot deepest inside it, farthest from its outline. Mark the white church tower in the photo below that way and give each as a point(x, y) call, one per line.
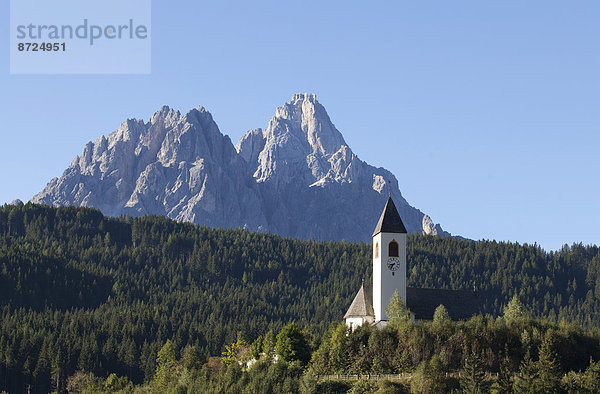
point(389, 271)
point(389, 274)
point(389, 260)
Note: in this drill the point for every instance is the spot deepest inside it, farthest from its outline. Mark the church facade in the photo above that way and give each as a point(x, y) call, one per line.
point(389, 275)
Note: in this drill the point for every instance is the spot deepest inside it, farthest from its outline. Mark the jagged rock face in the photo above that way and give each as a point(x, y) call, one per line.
point(180, 166)
point(301, 143)
point(316, 187)
point(296, 178)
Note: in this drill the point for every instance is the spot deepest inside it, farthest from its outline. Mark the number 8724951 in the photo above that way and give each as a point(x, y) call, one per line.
point(43, 46)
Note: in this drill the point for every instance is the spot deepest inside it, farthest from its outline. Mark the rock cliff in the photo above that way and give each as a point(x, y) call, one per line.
point(296, 178)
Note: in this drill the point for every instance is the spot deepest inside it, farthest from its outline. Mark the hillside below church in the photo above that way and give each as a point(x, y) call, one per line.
point(108, 292)
point(86, 292)
point(287, 179)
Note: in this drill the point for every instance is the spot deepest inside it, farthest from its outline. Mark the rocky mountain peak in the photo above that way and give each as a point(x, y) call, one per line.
point(250, 145)
point(296, 178)
point(301, 144)
point(165, 113)
point(306, 119)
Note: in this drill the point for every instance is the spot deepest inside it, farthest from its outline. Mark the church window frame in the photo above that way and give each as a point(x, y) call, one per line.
point(393, 249)
point(376, 249)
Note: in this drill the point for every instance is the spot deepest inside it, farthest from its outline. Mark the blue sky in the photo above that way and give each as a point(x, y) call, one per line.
point(488, 113)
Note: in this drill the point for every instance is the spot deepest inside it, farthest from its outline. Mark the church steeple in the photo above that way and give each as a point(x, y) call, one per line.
point(389, 271)
point(389, 276)
point(390, 221)
point(389, 259)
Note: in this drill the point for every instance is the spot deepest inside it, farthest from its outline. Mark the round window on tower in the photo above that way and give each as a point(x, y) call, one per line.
point(393, 249)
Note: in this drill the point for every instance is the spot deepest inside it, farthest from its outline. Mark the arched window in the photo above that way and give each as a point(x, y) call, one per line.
point(393, 249)
point(376, 249)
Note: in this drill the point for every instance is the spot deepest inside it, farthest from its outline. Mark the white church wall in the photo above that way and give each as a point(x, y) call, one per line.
point(385, 280)
point(354, 322)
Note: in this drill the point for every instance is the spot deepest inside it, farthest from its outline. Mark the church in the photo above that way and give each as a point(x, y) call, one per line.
point(389, 275)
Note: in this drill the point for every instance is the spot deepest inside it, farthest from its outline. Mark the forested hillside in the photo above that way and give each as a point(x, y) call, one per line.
point(83, 291)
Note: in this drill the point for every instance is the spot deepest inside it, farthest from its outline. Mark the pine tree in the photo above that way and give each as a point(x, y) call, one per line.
point(57, 370)
point(473, 377)
point(164, 363)
point(504, 384)
point(398, 314)
point(548, 368)
point(591, 377)
point(527, 380)
point(514, 311)
point(441, 320)
point(190, 358)
point(268, 344)
point(257, 347)
point(429, 377)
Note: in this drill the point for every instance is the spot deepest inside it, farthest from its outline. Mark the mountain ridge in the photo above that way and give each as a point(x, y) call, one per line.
point(285, 179)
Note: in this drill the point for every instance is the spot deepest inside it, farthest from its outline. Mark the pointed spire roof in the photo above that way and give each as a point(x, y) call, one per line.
point(362, 305)
point(390, 221)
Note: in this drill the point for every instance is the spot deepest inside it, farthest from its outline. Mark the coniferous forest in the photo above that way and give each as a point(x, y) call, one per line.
point(96, 303)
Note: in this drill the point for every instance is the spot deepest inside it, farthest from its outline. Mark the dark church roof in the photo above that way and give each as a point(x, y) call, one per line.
point(362, 305)
point(390, 221)
point(460, 304)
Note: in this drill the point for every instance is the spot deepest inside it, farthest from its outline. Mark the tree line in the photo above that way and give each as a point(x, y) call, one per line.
point(513, 353)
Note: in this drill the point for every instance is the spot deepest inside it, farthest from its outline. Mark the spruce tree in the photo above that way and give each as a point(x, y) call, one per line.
point(164, 363)
point(514, 311)
point(548, 368)
point(442, 324)
point(504, 383)
point(473, 376)
point(398, 314)
point(527, 380)
point(591, 377)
